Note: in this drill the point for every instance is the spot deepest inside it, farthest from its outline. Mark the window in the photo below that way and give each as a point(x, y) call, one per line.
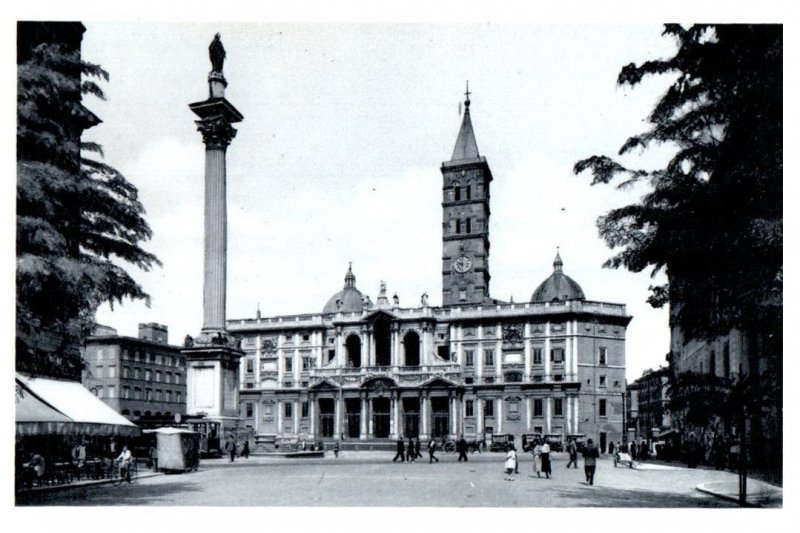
point(248, 410)
point(99, 354)
point(488, 357)
point(98, 371)
point(602, 356)
point(168, 377)
point(331, 355)
point(457, 194)
point(488, 407)
point(537, 407)
point(712, 363)
point(304, 409)
point(112, 371)
point(147, 375)
point(158, 376)
point(148, 395)
point(287, 409)
point(126, 372)
point(308, 363)
point(177, 379)
point(137, 393)
point(462, 295)
point(288, 364)
point(288, 337)
point(159, 359)
point(177, 397)
point(601, 407)
point(124, 353)
point(513, 377)
point(468, 358)
point(557, 355)
point(306, 337)
point(458, 225)
point(468, 225)
point(558, 407)
point(169, 396)
point(249, 366)
point(469, 192)
point(603, 382)
point(537, 356)
point(159, 395)
point(468, 408)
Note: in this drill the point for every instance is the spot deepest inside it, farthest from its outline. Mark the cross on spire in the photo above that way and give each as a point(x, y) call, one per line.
point(467, 93)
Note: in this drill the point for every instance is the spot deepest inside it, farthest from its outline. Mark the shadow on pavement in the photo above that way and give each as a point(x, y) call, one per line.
point(101, 495)
point(596, 495)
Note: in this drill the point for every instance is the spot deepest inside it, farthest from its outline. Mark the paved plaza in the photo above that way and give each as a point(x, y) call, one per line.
point(366, 479)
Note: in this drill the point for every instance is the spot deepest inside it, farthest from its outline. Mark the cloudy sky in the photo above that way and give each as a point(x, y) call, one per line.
point(338, 157)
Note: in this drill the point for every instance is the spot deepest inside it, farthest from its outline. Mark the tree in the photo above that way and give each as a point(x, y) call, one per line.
point(78, 219)
point(714, 217)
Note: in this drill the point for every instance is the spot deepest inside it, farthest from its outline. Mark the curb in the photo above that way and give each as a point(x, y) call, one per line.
point(755, 498)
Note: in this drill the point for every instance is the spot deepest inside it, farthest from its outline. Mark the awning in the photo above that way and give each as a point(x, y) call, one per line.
point(54, 407)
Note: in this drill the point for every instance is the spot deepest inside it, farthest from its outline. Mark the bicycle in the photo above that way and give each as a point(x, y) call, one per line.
point(120, 473)
point(449, 446)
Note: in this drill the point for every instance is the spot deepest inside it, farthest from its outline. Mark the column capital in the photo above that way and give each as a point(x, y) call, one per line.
point(217, 131)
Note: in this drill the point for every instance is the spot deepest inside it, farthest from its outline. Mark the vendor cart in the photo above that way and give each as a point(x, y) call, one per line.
point(177, 449)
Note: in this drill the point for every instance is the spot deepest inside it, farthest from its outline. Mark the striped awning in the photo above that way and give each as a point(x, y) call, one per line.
point(54, 407)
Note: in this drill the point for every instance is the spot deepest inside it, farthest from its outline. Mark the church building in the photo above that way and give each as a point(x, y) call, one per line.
point(367, 372)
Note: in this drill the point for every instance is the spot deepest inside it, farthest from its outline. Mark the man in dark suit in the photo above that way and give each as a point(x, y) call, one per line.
point(461, 448)
point(401, 451)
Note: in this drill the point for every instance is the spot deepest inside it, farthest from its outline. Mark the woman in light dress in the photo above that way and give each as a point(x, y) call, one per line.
point(537, 457)
point(511, 464)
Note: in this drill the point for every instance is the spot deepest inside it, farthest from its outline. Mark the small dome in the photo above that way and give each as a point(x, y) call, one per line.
point(347, 300)
point(558, 287)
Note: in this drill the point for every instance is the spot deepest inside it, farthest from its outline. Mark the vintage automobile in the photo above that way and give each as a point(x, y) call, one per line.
point(501, 442)
point(556, 442)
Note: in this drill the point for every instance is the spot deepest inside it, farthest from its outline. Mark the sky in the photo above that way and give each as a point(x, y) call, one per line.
point(338, 158)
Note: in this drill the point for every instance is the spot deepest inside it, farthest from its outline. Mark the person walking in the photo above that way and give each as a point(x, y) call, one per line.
point(691, 451)
point(611, 448)
point(537, 457)
point(590, 456)
point(154, 457)
point(432, 451)
point(336, 449)
point(417, 446)
point(511, 463)
point(461, 448)
point(246, 449)
point(572, 450)
point(411, 453)
point(401, 451)
point(230, 447)
point(633, 450)
point(546, 459)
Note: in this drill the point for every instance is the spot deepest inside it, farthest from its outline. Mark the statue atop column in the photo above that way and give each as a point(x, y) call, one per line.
point(217, 54)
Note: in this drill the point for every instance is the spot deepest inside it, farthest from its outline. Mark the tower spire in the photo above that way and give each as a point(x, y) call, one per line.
point(558, 264)
point(466, 146)
point(350, 278)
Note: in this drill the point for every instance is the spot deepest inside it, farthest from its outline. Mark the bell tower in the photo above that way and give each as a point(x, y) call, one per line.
point(465, 224)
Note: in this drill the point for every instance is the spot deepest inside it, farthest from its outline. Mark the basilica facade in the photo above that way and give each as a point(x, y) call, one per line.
point(368, 372)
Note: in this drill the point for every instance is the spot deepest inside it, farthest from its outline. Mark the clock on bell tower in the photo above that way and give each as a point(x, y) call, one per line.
point(465, 224)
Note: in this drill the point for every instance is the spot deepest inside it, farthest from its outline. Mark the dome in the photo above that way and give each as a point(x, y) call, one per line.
point(558, 287)
point(347, 300)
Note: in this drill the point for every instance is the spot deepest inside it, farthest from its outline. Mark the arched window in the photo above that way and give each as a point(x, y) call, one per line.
point(353, 345)
point(383, 342)
point(411, 345)
point(457, 194)
point(469, 225)
point(469, 192)
point(458, 225)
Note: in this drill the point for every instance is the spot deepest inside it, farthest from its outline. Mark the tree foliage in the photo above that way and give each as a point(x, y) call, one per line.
point(713, 216)
point(78, 219)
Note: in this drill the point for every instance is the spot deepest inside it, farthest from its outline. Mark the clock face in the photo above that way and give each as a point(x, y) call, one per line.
point(462, 264)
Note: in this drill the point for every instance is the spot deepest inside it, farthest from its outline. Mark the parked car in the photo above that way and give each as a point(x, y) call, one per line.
point(501, 442)
point(555, 441)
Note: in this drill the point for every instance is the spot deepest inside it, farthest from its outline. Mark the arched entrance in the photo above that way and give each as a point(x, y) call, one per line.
point(353, 345)
point(411, 345)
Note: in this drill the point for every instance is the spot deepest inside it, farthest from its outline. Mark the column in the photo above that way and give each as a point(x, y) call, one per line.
point(546, 355)
point(479, 415)
point(499, 416)
point(394, 350)
point(424, 358)
point(337, 409)
point(527, 351)
point(452, 408)
point(296, 417)
point(569, 414)
point(498, 355)
point(570, 332)
point(362, 432)
point(312, 415)
point(528, 413)
point(370, 421)
point(297, 366)
point(423, 413)
point(548, 413)
point(279, 407)
point(576, 404)
point(479, 354)
point(394, 422)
